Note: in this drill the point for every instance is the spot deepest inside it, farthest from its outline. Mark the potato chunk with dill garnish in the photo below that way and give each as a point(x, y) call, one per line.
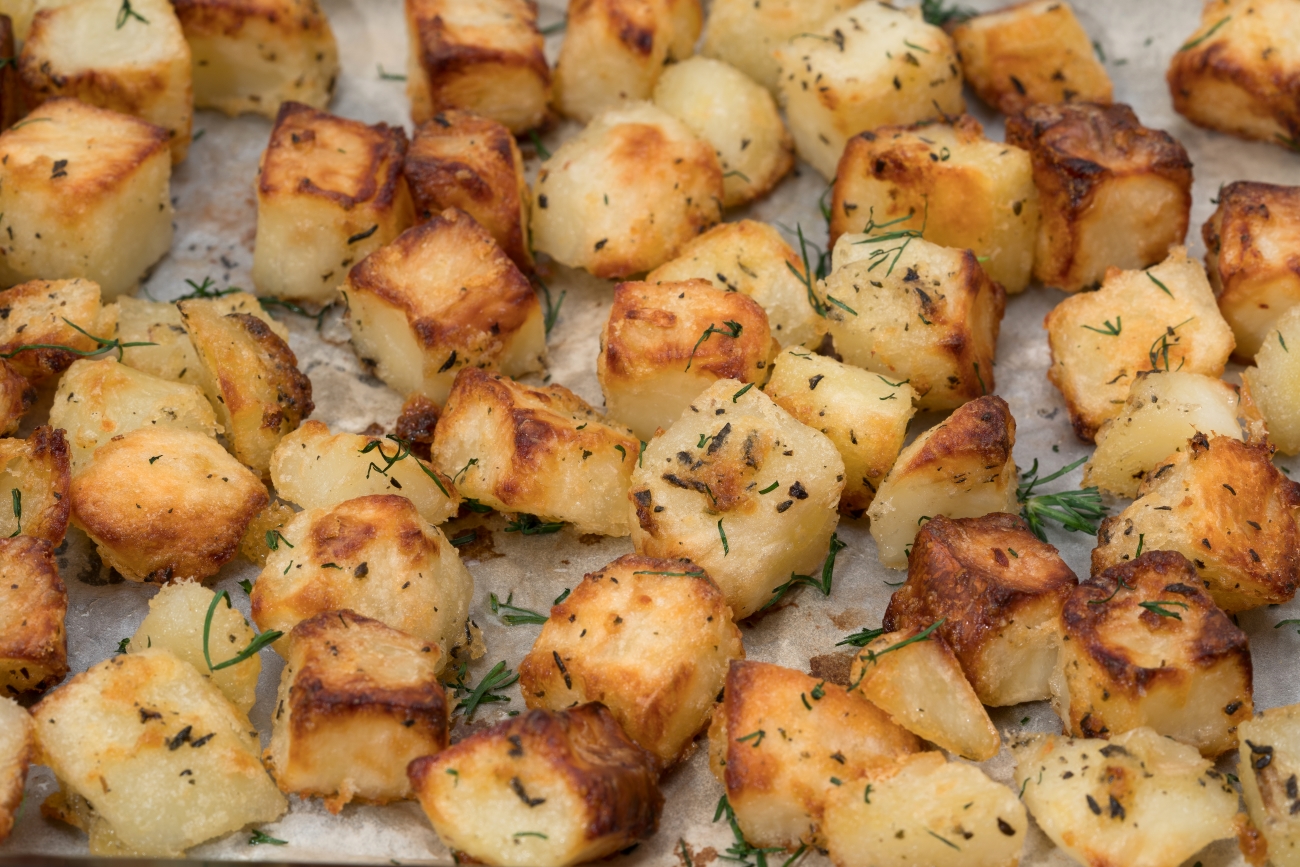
point(36, 472)
point(60, 320)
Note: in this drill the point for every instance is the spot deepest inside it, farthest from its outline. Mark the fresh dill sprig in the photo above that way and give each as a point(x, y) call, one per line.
point(537, 145)
point(262, 839)
point(822, 584)
point(499, 678)
point(531, 525)
point(808, 276)
point(1108, 328)
point(1188, 46)
point(552, 310)
point(17, 497)
point(1291, 622)
point(1159, 352)
point(204, 290)
point(104, 345)
point(388, 76)
point(740, 851)
point(861, 638)
point(733, 330)
point(513, 615)
point(936, 13)
point(1076, 511)
point(126, 13)
point(253, 647)
point(924, 635)
point(403, 451)
point(1160, 606)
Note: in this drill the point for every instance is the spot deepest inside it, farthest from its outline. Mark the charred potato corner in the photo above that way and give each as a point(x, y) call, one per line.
point(533, 433)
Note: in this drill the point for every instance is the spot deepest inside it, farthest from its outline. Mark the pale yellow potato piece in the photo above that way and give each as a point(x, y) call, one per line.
point(744, 35)
point(1274, 383)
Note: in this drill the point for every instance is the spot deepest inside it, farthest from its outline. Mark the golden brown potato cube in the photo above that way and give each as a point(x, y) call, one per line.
point(373, 555)
point(1269, 760)
point(751, 257)
point(135, 62)
point(1236, 73)
point(441, 298)
point(1273, 384)
point(85, 192)
point(544, 789)
point(315, 469)
point(912, 812)
point(1112, 192)
point(358, 701)
point(33, 645)
point(98, 400)
point(164, 504)
point(1223, 505)
point(1162, 318)
point(625, 194)
point(964, 190)
point(864, 415)
point(734, 114)
point(175, 622)
point(1140, 799)
point(536, 451)
point(664, 343)
point(650, 639)
point(961, 468)
point(738, 473)
point(330, 191)
point(867, 67)
point(255, 545)
point(1144, 645)
point(615, 50)
point(461, 160)
point(46, 313)
point(1248, 251)
point(416, 425)
point(17, 746)
point(36, 472)
point(917, 312)
point(914, 677)
point(251, 377)
point(17, 394)
point(745, 35)
point(782, 741)
point(1164, 409)
point(1030, 52)
point(999, 591)
point(147, 728)
point(254, 55)
point(484, 56)
point(11, 98)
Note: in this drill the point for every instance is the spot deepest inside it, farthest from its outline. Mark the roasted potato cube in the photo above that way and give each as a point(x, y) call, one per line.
point(17, 394)
point(921, 313)
point(163, 504)
point(664, 343)
point(730, 111)
point(17, 745)
point(255, 56)
point(650, 639)
point(1236, 72)
point(1000, 614)
point(177, 615)
point(545, 788)
point(1223, 505)
point(147, 729)
point(461, 160)
point(745, 35)
point(33, 645)
point(1112, 193)
point(1162, 318)
point(251, 376)
point(1164, 409)
point(961, 468)
point(373, 555)
point(782, 741)
point(911, 813)
point(1145, 646)
point(736, 471)
point(537, 451)
point(1268, 762)
point(358, 701)
point(52, 313)
point(330, 191)
point(615, 50)
point(1248, 241)
point(98, 400)
point(484, 56)
point(440, 298)
point(864, 415)
point(135, 62)
point(913, 676)
point(625, 194)
point(1140, 799)
point(315, 469)
point(1028, 53)
point(416, 425)
point(86, 192)
point(869, 66)
point(37, 473)
point(751, 257)
point(964, 190)
point(1273, 384)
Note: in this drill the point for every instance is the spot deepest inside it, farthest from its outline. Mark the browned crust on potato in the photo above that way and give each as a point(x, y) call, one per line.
point(983, 426)
point(46, 478)
point(293, 388)
point(17, 395)
point(444, 59)
point(416, 424)
point(35, 603)
point(227, 18)
point(34, 297)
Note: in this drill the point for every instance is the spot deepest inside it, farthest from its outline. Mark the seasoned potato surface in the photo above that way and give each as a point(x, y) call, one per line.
point(33, 607)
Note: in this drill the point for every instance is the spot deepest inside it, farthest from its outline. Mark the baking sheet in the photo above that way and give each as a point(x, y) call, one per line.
point(215, 218)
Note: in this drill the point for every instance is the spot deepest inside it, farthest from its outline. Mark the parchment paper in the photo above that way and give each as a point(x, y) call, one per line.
point(215, 219)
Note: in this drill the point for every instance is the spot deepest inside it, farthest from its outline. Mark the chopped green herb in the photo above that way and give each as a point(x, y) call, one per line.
point(1076, 511)
point(1112, 595)
point(562, 596)
point(126, 642)
point(695, 574)
point(513, 615)
point(154, 458)
point(732, 330)
point(722, 534)
point(126, 13)
point(1160, 606)
point(840, 304)
point(1188, 46)
point(464, 538)
point(388, 76)
point(770, 488)
point(251, 650)
point(735, 397)
point(1141, 541)
point(1281, 341)
point(943, 840)
point(898, 384)
point(861, 638)
point(641, 454)
point(500, 677)
point(936, 13)
point(104, 345)
point(537, 144)
point(756, 737)
point(622, 451)
point(552, 310)
point(823, 585)
point(274, 538)
point(808, 275)
point(1108, 328)
point(17, 497)
point(246, 586)
point(531, 834)
point(1159, 351)
point(735, 174)
point(261, 839)
point(1163, 287)
point(463, 470)
point(871, 656)
point(531, 525)
point(1291, 622)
